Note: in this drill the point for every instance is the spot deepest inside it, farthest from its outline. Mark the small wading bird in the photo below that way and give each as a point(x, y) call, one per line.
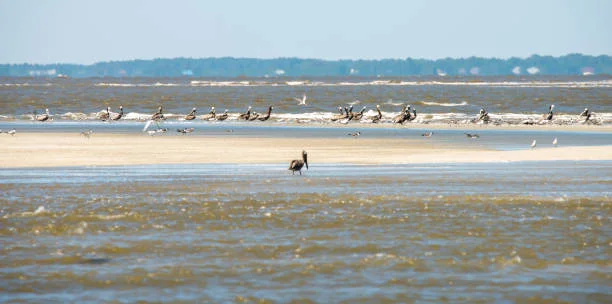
point(301, 102)
point(117, 116)
point(11, 132)
point(355, 134)
point(158, 131)
point(555, 142)
point(223, 116)
point(87, 133)
point(533, 144)
point(185, 130)
point(297, 164)
point(427, 134)
point(42, 117)
point(104, 116)
point(472, 135)
point(191, 115)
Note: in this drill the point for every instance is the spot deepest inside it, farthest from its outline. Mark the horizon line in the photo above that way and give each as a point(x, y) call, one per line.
point(301, 58)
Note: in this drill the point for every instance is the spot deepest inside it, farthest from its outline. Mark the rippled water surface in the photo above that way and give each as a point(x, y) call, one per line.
point(515, 232)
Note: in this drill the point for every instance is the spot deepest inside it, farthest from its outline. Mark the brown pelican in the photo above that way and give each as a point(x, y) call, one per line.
point(117, 116)
point(158, 115)
point(297, 164)
point(549, 116)
point(483, 115)
point(267, 116)
point(343, 114)
point(254, 116)
point(403, 116)
point(43, 117)
point(355, 134)
point(87, 133)
point(185, 130)
point(413, 116)
point(586, 114)
point(191, 115)
point(378, 117)
point(358, 115)
point(223, 116)
point(472, 135)
point(105, 115)
point(427, 134)
point(211, 115)
point(246, 115)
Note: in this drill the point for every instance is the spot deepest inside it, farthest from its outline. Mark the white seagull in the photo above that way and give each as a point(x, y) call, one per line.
point(301, 102)
point(533, 144)
point(555, 141)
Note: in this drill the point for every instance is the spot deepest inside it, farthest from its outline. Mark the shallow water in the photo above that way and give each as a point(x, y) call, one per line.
point(515, 232)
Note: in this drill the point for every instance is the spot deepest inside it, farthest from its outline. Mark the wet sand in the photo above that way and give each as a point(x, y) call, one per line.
point(106, 149)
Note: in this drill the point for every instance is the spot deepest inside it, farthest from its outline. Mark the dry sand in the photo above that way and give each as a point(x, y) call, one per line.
point(63, 149)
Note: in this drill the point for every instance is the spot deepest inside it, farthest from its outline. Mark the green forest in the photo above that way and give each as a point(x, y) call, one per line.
point(572, 64)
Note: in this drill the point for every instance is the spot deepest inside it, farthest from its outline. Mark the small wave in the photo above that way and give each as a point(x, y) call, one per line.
point(443, 104)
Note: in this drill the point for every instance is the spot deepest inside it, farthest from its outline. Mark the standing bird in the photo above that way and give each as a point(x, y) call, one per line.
point(158, 115)
point(483, 115)
point(358, 115)
point(586, 114)
point(191, 115)
point(555, 142)
point(549, 116)
point(301, 102)
point(355, 134)
point(267, 116)
point(403, 115)
point(378, 117)
point(43, 117)
point(472, 135)
point(104, 116)
point(117, 116)
point(413, 116)
point(427, 134)
point(246, 115)
point(223, 116)
point(533, 144)
point(11, 132)
point(343, 113)
point(87, 133)
point(297, 164)
point(185, 130)
point(211, 115)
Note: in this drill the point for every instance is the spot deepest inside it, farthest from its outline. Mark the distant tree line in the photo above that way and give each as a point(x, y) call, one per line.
point(572, 64)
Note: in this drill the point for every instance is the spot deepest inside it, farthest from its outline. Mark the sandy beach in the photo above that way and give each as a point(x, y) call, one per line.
point(106, 149)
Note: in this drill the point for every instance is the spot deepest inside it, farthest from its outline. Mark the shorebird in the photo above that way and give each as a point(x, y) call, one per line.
point(191, 115)
point(472, 135)
point(403, 115)
point(586, 114)
point(301, 102)
point(267, 116)
point(549, 116)
point(185, 130)
point(297, 164)
point(533, 144)
point(154, 132)
point(246, 115)
point(355, 134)
point(222, 116)
point(43, 117)
point(117, 116)
point(11, 132)
point(427, 134)
point(555, 142)
point(104, 116)
point(413, 116)
point(378, 117)
point(254, 116)
point(87, 133)
point(211, 115)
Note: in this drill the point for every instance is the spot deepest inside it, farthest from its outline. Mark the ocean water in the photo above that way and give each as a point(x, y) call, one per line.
point(514, 232)
point(452, 100)
point(495, 232)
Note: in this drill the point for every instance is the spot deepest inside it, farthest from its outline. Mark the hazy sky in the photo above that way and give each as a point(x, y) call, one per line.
point(45, 31)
